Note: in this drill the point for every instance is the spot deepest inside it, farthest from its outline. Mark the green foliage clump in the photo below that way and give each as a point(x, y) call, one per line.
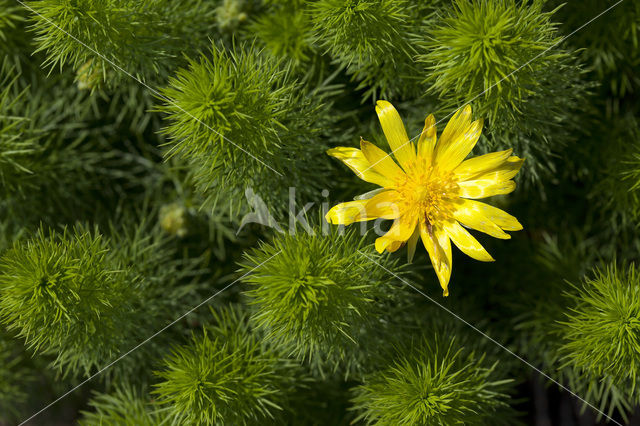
point(502, 56)
point(370, 39)
point(69, 285)
point(473, 50)
point(124, 406)
point(602, 330)
point(241, 121)
point(103, 36)
point(226, 375)
point(578, 333)
point(317, 293)
point(96, 296)
point(434, 382)
point(286, 33)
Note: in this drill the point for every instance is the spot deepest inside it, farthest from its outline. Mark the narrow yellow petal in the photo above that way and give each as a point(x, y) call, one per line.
point(347, 213)
point(356, 161)
point(451, 152)
point(427, 141)
point(402, 227)
point(481, 164)
point(501, 218)
point(467, 243)
point(381, 162)
point(482, 188)
point(504, 171)
point(412, 243)
point(384, 205)
point(370, 194)
point(438, 246)
point(389, 244)
point(456, 126)
point(395, 133)
point(455, 138)
point(471, 218)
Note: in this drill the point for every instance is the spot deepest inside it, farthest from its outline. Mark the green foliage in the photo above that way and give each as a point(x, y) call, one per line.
point(633, 172)
point(8, 234)
point(241, 121)
point(473, 50)
point(609, 45)
point(13, 377)
point(68, 285)
point(317, 294)
point(370, 39)
point(141, 37)
point(585, 336)
point(615, 187)
point(286, 33)
point(47, 147)
point(16, 141)
point(180, 215)
point(502, 56)
point(159, 179)
point(13, 41)
point(10, 15)
point(226, 375)
point(97, 297)
point(602, 330)
point(125, 406)
point(434, 382)
point(28, 158)
point(620, 186)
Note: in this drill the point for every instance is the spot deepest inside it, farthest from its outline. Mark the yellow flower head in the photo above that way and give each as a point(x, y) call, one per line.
point(432, 193)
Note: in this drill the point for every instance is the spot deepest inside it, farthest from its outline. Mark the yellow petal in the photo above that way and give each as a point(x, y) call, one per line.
point(438, 246)
point(455, 150)
point(389, 244)
point(456, 126)
point(380, 161)
point(427, 141)
point(504, 171)
point(501, 218)
point(471, 218)
point(402, 227)
point(395, 133)
point(466, 242)
point(385, 205)
point(370, 194)
point(412, 243)
point(457, 139)
point(356, 161)
point(478, 165)
point(347, 213)
point(482, 188)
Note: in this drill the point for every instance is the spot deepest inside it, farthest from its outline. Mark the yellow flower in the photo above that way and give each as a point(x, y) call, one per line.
point(431, 194)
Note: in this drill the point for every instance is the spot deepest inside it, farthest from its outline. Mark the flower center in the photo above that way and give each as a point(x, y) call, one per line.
point(431, 192)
